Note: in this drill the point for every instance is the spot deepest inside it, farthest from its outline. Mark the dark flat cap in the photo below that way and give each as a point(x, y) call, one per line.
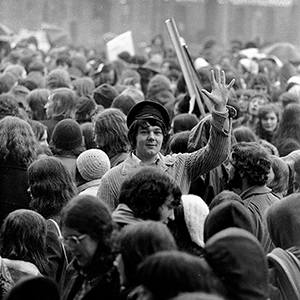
point(148, 110)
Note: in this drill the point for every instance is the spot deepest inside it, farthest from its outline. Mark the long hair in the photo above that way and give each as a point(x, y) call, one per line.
point(87, 215)
point(166, 274)
point(262, 113)
point(289, 126)
point(23, 237)
point(51, 186)
point(111, 130)
point(36, 100)
point(8, 106)
point(64, 103)
point(38, 128)
point(18, 143)
point(140, 240)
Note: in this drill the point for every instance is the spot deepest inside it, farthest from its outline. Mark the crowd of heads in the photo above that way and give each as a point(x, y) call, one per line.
point(69, 116)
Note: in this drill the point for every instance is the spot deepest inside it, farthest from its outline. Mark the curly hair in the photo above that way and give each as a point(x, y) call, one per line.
point(146, 190)
point(23, 237)
point(262, 114)
point(17, 141)
point(111, 131)
point(133, 130)
point(51, 186)
point(9, 106)
point(252, 159)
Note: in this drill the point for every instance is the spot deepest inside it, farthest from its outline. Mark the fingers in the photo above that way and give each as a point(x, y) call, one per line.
point(230, 85)
point(212, 78)
point(223, 80)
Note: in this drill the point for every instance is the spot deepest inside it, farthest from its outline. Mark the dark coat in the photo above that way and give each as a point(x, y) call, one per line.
point(105, 284)
point(13, 188)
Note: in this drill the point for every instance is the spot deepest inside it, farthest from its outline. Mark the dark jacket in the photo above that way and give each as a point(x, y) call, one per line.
point(105, 283)
point(13, 188)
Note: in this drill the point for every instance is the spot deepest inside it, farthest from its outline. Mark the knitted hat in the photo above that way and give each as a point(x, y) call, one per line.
point(67, 135)
point(92, 164)
point(195, 212)
point(105, 94)
point(148, 110)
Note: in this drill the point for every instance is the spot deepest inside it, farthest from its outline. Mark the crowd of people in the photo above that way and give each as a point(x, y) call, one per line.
point(115, 186)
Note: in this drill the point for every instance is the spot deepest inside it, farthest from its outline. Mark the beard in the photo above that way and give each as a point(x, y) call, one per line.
point(234, 183)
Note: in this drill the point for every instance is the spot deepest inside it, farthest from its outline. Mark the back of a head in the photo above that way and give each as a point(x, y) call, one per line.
point(92, 164)
point(105, 94)
point(228, 214)
point(7, 81)
point(185, 121)
point(8, 106)
point(244, 134)
point(253, 160)
point(64, 103)
point(169, 273)
point(238, 259)
point(23, 237)
point(34, 288)
point(178, 143)
point(36, 100)
point(140, 240)
point(83, 86)
point(195, 212)
point(58, 78)
point(124, 103)
point(225, 195)
point(18, 141)
point(67, 135)
point(51, 186)
point(283, 222)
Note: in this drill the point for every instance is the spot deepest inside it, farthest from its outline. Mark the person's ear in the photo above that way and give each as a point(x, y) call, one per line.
point(140, 293)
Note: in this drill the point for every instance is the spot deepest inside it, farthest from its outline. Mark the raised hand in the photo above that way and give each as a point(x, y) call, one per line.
point(220, 91)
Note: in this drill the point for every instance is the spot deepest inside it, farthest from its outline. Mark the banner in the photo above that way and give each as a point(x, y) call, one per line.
point(120, 43)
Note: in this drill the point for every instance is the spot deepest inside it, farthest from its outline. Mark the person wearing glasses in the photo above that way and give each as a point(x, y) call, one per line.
point(87, 227)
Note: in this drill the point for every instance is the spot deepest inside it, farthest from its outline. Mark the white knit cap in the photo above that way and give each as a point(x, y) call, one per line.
point(92, 164)
point(195, 212)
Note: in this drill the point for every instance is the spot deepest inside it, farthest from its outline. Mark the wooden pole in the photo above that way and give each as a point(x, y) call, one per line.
point(184, 64)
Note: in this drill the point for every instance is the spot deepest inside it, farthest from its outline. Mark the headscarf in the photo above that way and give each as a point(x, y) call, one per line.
point(228, 214)
point(195, 211)
point(237, 257)
point(284, 222)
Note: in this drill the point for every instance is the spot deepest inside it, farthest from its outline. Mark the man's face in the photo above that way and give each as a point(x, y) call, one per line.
point(166, 211)
point(148, 143)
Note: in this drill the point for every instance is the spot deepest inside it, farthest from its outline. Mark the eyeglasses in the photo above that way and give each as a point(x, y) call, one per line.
point(73, 240)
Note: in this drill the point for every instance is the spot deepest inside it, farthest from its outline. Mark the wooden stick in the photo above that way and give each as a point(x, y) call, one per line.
point(184, 64)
